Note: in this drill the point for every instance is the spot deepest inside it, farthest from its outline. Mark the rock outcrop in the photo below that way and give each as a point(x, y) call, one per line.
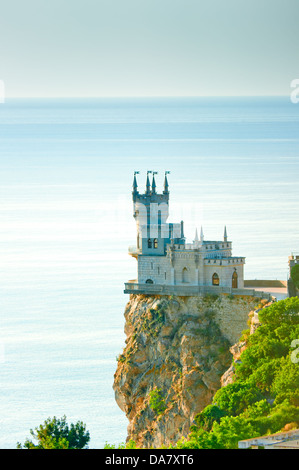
point(177, 349)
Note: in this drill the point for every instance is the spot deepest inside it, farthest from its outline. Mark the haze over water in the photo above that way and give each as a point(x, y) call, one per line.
point(66, 223)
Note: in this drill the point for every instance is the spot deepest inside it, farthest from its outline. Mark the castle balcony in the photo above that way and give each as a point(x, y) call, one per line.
point(133, 287)
point(134, 251)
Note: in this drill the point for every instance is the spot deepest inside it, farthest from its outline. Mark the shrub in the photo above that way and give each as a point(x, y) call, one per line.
point(156, 401)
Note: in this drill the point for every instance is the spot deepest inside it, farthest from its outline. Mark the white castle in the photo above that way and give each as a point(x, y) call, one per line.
point(169, 265)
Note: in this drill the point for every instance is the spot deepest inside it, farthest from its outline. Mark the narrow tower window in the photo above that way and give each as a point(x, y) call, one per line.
point(149, 243)
point(155, 243)
point(235, 280)
point(215, 279)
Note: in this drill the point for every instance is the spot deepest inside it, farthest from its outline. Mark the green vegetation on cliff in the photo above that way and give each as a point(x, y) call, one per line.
point(263, 397)
point(295, 275)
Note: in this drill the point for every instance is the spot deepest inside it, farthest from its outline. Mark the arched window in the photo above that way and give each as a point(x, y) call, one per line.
point(185, 275)
point(215, 279)
point(149, 281)
point(149, 243)
point(155, 243)
point(235, 280)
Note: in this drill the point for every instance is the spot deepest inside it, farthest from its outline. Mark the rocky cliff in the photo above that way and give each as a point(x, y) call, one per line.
point(177, 349)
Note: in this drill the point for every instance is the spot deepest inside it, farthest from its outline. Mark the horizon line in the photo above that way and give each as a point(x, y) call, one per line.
point(144, 96)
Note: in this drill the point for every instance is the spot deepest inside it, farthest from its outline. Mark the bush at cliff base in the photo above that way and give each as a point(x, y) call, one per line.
point(264, 395)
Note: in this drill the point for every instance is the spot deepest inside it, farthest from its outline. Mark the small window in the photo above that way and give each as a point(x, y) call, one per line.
point(155, 243)
point(149, 243)
point(165, 275)
point(149, 281)
point(158, 270)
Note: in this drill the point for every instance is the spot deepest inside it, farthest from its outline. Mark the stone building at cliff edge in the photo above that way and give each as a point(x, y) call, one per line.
point(166, 264)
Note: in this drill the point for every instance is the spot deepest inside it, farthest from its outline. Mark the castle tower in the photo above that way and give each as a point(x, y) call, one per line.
point(151, 211)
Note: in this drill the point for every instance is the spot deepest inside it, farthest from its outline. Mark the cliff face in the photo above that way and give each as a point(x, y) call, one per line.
point(177, 350)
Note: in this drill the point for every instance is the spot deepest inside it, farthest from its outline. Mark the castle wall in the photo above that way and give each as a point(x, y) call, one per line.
point(156, 268)
point(225, 274)
point(186, 271)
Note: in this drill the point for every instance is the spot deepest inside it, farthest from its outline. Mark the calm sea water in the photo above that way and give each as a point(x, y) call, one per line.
point(66, 222)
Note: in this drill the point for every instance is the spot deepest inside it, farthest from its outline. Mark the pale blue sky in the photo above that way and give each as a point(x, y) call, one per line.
point(148, 47)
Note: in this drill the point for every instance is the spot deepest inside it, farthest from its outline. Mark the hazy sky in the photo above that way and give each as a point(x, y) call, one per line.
point(148, 47)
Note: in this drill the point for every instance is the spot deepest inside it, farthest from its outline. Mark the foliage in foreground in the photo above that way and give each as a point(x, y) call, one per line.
point(129, 445)
point(55, 433)
point(264, 396)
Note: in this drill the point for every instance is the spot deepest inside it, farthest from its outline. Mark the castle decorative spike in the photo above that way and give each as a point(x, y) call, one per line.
point(225, 234)
point(166, 191)
point(135, 186)
point(148, 185)
point(154, 182)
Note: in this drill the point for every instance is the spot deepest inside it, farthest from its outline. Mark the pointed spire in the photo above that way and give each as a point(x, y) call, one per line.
point(135, 186)
point(166, 191)
point(154, 182)
point(201, 234)
point(148, 185)
point(225, 234)
point(196, 241)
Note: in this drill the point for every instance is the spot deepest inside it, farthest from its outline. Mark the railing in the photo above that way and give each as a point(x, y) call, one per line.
point(163, 289)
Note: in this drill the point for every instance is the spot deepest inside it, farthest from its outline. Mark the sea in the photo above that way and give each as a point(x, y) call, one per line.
point(66, 221)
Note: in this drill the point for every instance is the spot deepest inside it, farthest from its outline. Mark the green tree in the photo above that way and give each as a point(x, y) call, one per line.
point(206, 418)
point(236, 397)
point(231, 430)
point(55, 433)
point(157, 401)
point(295, 275)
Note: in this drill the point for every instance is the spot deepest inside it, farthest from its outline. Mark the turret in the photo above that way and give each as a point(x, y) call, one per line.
point(135, 186)
point(148, 185)
point(196, 241)
point(154, 182)
point(201, 235)
point(166, 191)
point(225, 234)
point(150, 211)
